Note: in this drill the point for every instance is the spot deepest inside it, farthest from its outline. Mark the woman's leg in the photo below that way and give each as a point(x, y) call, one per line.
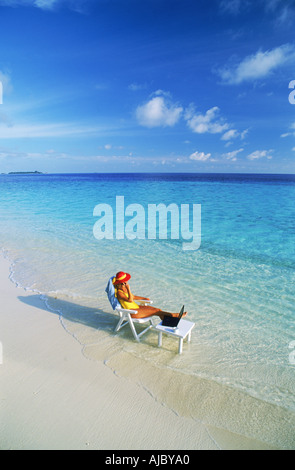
point(147, 311)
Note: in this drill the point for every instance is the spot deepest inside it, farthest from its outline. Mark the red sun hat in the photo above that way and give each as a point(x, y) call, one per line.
point(121, 277)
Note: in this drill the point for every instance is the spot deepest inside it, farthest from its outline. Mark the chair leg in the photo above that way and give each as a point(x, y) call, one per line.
point(144, 331)
point(128, 320)
point(133, 329)
point(120, 324)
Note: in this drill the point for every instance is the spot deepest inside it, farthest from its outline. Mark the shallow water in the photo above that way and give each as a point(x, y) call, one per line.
point(238, 287)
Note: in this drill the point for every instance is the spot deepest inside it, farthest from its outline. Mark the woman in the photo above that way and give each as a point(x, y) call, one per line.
point(127, 299)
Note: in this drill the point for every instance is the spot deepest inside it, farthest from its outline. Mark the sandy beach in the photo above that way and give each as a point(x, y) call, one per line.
point(150, 148)
point(53, 397)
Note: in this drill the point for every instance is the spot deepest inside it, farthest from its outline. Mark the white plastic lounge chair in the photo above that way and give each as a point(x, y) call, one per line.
point(125, 315)
point(125, 319)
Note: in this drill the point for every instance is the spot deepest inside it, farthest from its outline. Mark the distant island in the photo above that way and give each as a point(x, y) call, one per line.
point(25, 173)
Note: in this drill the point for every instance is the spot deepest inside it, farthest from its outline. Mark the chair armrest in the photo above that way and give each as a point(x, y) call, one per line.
point(144, 302)
point(124, 310)
point(134, 312)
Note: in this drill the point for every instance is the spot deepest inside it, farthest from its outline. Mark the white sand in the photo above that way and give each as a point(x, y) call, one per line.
point(52, 397)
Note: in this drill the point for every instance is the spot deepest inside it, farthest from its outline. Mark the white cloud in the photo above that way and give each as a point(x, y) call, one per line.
point(258, 154)
point(288, 134)
point(51, 155)
point(137, 86)
point(46, 4)
point(231, 6)
point(21, 131)
point(244, 133)
point(259, 65)
point(200, 156)
point(282, 10)
point(76, 5)
point(231, 134)
point(6, 82)
point(232, 156)
point(234, 134)
point(159, 112)
point(206, 123)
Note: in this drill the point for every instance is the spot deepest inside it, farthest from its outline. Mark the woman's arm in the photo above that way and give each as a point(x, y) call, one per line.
point(131, 296)
point(123, 296)
point(140, 298)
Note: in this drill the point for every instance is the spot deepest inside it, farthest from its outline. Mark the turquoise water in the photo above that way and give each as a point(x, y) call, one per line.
point(238, 287)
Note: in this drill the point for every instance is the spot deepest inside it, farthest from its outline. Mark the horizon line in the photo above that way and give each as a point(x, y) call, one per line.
point(37, 173)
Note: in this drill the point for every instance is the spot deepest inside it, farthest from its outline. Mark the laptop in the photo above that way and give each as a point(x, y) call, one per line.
point(172, 322)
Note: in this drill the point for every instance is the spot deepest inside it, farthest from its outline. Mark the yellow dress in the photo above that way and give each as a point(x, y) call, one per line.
point(125, 303)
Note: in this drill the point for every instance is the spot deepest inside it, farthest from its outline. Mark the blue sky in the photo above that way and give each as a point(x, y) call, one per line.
point(147, 85)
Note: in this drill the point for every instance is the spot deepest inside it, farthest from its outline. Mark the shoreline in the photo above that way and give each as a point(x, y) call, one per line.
point(54, 396)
